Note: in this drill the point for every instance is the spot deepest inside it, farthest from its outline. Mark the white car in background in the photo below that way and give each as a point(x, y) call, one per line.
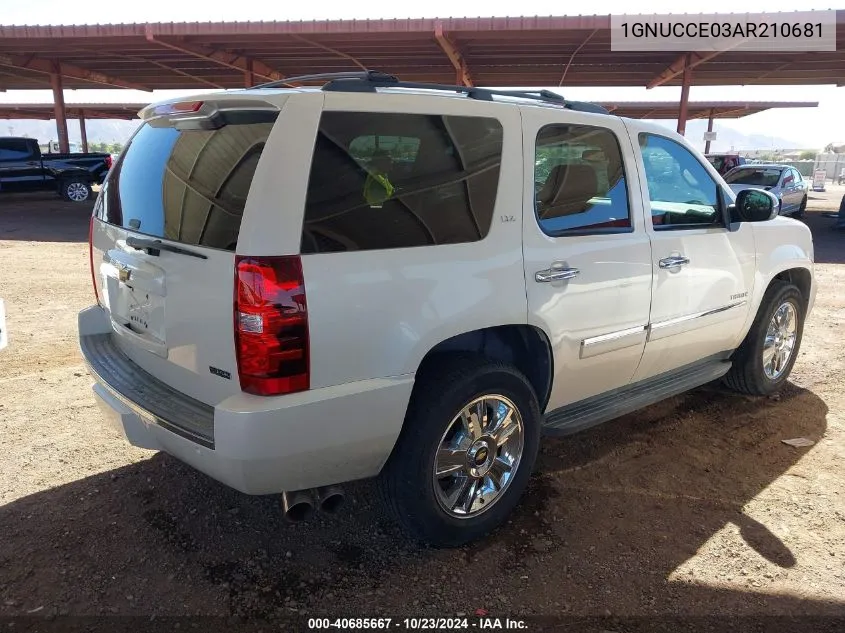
point(785, 182)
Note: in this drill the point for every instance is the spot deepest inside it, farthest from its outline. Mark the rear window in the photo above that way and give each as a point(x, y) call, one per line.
point(15, 148)
point(389, 180)
point(760, 177)
point(187, 186)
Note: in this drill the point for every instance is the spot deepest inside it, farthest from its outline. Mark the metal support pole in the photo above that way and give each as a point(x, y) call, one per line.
point(249, 77)
point(83, 132)
point(683, 106)
point(709, 129)
point(59, 107)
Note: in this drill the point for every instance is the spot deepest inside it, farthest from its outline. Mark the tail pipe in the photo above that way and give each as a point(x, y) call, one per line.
point(297, 505)
point(330, 499)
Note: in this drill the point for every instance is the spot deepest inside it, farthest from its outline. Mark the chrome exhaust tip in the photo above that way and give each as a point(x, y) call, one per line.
point(297, 505)
point(330, 499)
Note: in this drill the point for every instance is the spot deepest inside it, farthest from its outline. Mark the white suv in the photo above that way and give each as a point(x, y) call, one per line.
point(299, 287)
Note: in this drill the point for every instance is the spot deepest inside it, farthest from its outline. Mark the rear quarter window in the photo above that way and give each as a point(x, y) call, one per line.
point(390, 180)
point(187, 186)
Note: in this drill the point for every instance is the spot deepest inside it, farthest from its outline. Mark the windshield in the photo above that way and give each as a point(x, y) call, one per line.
point(717, 161)
point(757, 177)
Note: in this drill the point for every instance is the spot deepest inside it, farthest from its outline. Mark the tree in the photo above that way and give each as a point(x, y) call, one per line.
point(807, 155)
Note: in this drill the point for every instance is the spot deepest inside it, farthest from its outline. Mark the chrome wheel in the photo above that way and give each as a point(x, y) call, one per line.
point(77, 191)
point(478, 456)
point(780, 340)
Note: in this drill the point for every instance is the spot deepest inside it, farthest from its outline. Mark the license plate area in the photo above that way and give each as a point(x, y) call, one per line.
point(137, 309)
point(135, 296)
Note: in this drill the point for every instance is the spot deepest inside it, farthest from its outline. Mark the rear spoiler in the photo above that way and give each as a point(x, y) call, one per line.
point(207, 114)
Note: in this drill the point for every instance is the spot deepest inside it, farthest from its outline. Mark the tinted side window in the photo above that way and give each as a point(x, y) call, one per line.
point(384, 180)
point(681, 192)
point(14, 149)
point(189, 186)
point(579, 180)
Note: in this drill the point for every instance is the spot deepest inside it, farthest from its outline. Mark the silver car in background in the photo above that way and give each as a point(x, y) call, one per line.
point(783, 181)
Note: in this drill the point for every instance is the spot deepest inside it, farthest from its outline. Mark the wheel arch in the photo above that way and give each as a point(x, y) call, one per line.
point(798, 273)
point(525, 346)
point(800, 277)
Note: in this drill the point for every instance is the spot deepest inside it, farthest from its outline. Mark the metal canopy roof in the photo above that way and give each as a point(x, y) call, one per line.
point(507, 51)
point(631, 109)
point(46, 111)
point(698, 109)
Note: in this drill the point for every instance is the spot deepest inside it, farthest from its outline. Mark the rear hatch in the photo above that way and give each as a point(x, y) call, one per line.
point(164, 234)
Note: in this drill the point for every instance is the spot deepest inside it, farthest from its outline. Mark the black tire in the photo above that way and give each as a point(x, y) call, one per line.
point(75, 190)
point(801, 209)
point(747, 375)
point(406, 483)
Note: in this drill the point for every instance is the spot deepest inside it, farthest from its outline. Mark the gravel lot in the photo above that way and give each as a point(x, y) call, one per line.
point(692, 506)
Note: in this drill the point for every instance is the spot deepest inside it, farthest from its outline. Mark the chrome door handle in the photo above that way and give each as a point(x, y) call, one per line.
point(673, 261)
point(555, 274)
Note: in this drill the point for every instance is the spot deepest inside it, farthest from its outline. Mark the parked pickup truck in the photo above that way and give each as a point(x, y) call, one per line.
point(24, 168)
point(297, 288)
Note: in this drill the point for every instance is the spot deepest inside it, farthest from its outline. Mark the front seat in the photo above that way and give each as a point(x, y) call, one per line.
point(567, 191)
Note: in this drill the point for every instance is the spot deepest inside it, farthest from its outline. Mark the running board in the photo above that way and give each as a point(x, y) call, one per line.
point(613, 404)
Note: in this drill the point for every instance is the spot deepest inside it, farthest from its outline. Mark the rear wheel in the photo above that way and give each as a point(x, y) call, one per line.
point(75, 190)
point(801, 209)
point(466, 451)
point(764, 360)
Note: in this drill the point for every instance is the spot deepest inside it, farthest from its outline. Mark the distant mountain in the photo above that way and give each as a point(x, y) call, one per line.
point(730, 139)
point(99, 131)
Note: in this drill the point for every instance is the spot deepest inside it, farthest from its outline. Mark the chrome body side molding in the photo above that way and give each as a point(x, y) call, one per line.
point(681, 324)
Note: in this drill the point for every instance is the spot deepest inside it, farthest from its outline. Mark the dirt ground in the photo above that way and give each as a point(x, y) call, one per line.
point(692, 506)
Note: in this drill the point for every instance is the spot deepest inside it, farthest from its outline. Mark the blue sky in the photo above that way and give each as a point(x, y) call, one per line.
point(814, 128)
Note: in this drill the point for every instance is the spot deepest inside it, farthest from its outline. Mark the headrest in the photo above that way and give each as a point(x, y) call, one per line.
point(567, 190)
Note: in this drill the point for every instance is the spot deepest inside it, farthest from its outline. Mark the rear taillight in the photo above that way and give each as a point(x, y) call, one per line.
point(91, 257)
point(108, 161)
point(271, 325)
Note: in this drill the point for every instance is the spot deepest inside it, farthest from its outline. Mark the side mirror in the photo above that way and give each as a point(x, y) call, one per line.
point(756, 205)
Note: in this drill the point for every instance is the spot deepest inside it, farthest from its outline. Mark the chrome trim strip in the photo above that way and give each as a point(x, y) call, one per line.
point(611, 341)
point(612, 336)
point(691, 317)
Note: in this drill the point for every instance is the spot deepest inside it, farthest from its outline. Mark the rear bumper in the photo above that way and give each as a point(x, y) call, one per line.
point(257, 445)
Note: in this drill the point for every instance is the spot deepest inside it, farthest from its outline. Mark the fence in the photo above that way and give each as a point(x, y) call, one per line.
point(804, 167)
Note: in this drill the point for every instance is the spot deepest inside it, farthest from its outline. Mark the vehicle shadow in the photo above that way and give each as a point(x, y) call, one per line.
point(609, 518)
point(829, 244)
point(43, 217)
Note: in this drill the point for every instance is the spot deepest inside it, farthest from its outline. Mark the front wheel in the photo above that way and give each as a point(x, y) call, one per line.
point(75, 190)
point(466, 451)
point(764, 360)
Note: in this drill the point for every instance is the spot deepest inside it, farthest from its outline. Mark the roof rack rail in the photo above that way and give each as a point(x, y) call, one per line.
point(371, 80)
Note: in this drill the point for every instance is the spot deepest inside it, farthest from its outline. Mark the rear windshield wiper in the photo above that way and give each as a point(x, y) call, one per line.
point(154, 247)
